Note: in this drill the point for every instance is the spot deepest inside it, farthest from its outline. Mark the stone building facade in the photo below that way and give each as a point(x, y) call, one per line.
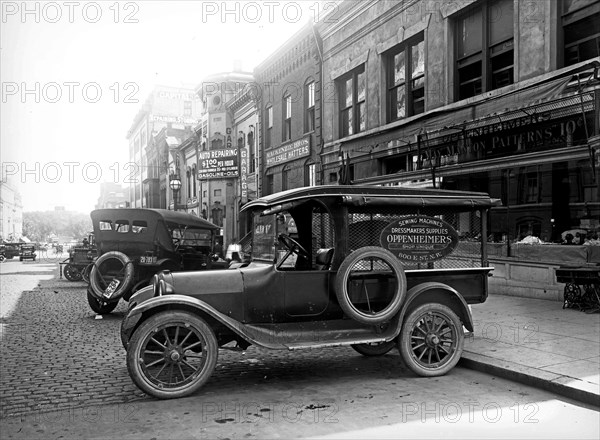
point(166, 107)
point(497, 96)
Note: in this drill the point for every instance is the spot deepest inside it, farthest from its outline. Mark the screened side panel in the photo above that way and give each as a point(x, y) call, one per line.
point(373, 228)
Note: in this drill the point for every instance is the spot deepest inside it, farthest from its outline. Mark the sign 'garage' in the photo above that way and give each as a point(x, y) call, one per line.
point(419, 239)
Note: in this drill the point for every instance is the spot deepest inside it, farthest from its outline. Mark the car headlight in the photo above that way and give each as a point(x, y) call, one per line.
point(155, 282)
point(164, 288)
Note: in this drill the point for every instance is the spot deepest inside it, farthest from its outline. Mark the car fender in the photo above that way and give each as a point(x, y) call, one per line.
point(166, 262)
point(441, 293)
point(185, 302)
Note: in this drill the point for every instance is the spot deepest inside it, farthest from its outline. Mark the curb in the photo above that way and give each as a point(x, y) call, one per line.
point(565, 386)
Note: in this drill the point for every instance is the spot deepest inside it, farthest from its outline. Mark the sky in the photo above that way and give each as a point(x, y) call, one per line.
point(74, 74)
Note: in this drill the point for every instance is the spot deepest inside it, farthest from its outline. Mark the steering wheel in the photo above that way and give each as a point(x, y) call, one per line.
point(177, 242)
point(292, 245)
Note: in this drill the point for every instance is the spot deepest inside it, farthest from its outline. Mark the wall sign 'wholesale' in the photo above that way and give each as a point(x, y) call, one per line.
point(419, 239)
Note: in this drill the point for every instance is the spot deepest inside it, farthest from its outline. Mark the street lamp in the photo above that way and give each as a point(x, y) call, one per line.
point(175, 184)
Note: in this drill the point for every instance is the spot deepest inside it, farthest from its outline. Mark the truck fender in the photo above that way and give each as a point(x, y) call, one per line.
point(440, 293)
point(182, 302)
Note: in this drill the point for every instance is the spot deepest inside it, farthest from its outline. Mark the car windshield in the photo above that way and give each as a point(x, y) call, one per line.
point(188, 236)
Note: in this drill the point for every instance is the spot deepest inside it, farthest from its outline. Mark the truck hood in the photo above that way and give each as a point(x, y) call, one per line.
point(198, 283)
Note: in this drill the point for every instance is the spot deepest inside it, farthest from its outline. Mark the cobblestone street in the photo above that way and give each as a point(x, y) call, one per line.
point(56, 355)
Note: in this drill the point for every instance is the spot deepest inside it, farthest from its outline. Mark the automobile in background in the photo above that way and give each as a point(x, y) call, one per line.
point(27, 252)
point(369, 267)
point(10, 250)
point(133, 244)
point(79, 264)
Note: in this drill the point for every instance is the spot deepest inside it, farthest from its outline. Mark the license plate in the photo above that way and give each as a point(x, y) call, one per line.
point(145, 259)
point(111, 288)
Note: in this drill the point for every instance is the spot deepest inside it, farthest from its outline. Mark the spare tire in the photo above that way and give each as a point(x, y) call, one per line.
point(108, 267)
point(362, 268)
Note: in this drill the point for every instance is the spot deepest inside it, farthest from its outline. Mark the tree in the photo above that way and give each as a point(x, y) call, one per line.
point(38, 225)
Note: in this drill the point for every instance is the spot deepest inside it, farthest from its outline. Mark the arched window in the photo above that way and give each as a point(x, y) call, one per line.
point(268, 125)
point(309, 106)
point(287, 117)
point(285, 175)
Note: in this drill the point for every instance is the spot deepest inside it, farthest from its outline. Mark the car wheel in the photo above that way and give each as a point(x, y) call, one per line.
point(1, 258)
point(99, 306)
point(431, 340)
point(111, 267)
point(20, 258)
point(71, 273)
point(172, 354)
point(375, 348)
point(370, 285)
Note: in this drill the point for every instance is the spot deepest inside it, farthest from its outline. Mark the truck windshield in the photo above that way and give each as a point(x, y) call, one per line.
point(263, 237)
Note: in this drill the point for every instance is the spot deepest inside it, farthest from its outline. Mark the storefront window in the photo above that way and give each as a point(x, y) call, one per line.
point(406, 90)
point(352, 92)
point(485, 55)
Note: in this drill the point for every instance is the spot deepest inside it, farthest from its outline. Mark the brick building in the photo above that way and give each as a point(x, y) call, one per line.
point(289, 82)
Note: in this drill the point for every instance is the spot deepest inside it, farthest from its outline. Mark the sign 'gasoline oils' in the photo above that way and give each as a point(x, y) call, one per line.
point(419, 239)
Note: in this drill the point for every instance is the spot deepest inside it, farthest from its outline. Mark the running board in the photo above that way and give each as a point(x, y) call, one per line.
point(319, 334)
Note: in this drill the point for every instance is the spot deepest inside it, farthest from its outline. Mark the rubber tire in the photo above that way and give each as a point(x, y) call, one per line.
point(99, 306)
point(155, 321)
point(71, 276)
point(404, 340)
point(127, 281)
point(341, 285)
point(374, 350)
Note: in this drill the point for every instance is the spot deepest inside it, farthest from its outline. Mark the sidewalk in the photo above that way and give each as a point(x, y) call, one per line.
point(538, 343)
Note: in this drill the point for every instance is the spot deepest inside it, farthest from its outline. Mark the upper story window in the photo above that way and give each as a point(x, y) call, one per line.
point(187, 108)
point(485, 48)
point(309, 105)
point(287, 117)
point(405, 77)
point(580, 30)
point(269, 130)
point(352, 92)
